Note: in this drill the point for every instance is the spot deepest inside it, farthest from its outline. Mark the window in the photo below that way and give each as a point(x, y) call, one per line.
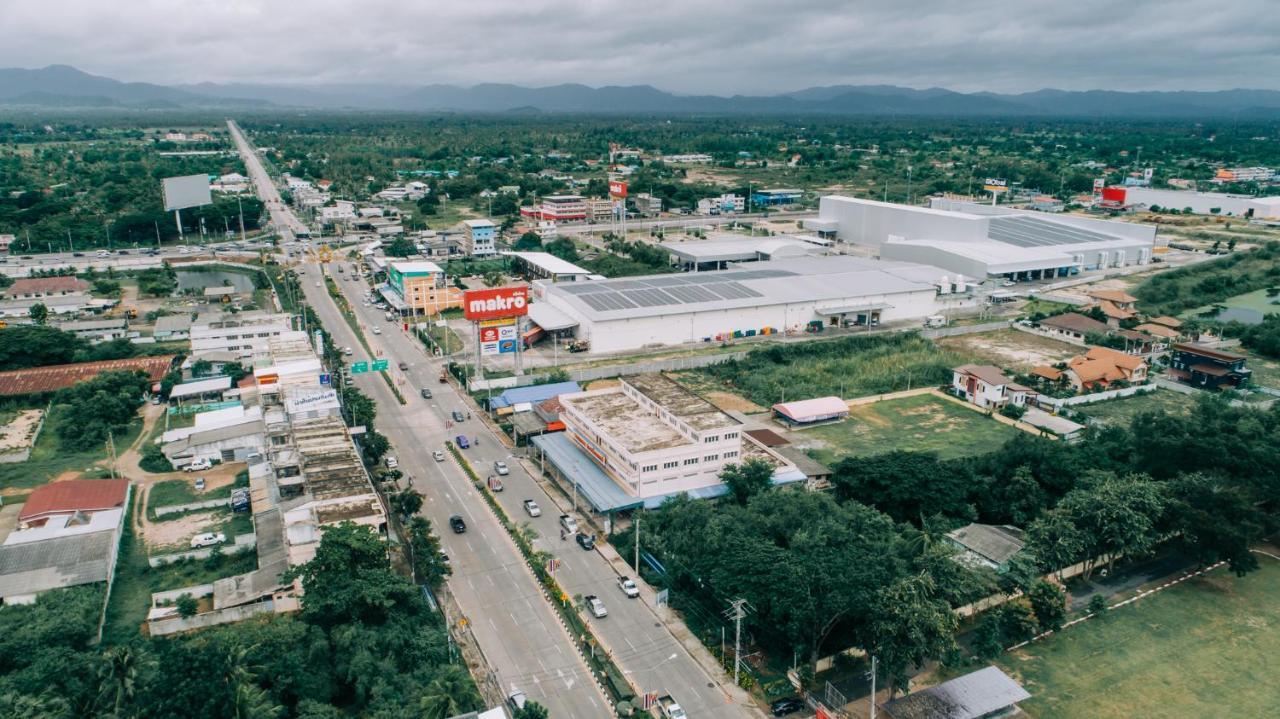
point(711, 438)
point(670, 465)
point(730, 435)
point(711, 458)
point(730, 455)
point(649, 468)
point(691, 460)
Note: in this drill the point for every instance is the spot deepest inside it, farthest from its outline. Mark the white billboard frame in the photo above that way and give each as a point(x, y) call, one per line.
point(186, 191)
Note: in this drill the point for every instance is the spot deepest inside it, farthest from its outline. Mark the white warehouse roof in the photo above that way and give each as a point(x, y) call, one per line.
point(549, 263)
point(727, 247)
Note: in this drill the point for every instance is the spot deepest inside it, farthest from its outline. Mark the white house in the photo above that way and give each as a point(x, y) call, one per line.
point(986, 386)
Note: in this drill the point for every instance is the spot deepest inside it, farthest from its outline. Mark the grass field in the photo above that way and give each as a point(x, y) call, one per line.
point(923, 423)
point(1120, 412)
point(1012, 349)
point(48, 459)
point(1205, 648)
point(1257, 301)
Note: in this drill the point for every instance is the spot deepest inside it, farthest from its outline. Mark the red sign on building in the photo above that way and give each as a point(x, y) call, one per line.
point(1113, 195)
point(496, 303)
point(617, 188)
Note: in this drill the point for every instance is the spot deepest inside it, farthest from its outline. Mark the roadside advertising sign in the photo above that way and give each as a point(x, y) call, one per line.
point(617, 188)
point(995, 184)
point(497, 336)
point(496, 303)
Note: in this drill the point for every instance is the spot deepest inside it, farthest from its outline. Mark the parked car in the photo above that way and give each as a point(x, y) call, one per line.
point(198, 465)
point(458, 416)
point(628, 587)
point(348, 351)
point(456, 524)
point(501, 468)
point(199, 484)
point(495, 484)
point(426, 393)
point(516, 700)
point(240, 501)
point(787, 705)
point(596, 606)
point(208, 539)
point(437, 456)
point(569, 524)
point(461, 441)
point(391, 462)
point(532, 508)
point(586, 541)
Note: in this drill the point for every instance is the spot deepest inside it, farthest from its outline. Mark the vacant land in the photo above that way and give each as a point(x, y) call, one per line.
point(49, 461)
point(1011, 349)
point(708, 390)
point(924, 423)
point(1120, 412)
point(1266, 372)
point(1203, 648)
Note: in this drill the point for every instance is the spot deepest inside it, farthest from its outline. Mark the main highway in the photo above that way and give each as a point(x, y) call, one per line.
point(511, 618)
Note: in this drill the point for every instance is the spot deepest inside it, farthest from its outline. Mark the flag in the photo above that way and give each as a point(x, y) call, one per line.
point(552, 565)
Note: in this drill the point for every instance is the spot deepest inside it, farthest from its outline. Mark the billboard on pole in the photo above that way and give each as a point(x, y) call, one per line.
point(186, 191)
point(617, 188)
point(496, 303)
point(497, 336)
point(995, 184)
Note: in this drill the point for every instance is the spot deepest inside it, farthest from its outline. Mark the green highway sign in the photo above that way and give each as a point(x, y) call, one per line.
point(380, 365)
point(359, 367)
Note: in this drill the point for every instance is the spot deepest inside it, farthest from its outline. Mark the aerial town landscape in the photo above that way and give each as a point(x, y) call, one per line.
point(330, 392)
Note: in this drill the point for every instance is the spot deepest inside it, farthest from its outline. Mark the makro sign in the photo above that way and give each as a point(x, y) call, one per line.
point(495, 303)
point(617, 188)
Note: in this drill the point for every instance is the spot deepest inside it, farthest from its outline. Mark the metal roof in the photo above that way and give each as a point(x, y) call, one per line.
point(548, 262)
point(199, 387)
point(36, 567)
point(549, 318)
point(968, 697)
point(600, 491)
point(1026, 231)
point(534, 393)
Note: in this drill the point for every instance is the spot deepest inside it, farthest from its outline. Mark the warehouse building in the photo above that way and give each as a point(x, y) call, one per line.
point(723, 249)
point(546, 266)
point(1200, 203)
point(781, 296)
point(982, 241)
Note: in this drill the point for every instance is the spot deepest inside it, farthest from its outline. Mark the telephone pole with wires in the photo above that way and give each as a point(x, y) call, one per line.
point(737, 611)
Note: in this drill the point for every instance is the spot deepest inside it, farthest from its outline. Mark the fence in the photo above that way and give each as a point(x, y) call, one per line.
point(587, 374)
point(241, 542)
point(1059, 402)
point(940, 332)
point(180, 508)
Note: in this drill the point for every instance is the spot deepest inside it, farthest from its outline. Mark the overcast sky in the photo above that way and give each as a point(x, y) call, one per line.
point(688, 46)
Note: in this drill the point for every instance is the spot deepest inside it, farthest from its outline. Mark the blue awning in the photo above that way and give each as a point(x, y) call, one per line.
point(533, 394)
point(600, 491)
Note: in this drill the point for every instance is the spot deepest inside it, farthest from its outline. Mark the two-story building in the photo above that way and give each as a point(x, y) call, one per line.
point(421, 287)
point(1104, 367)
point(558, 208)
point(1208, 367)
point(986, 386)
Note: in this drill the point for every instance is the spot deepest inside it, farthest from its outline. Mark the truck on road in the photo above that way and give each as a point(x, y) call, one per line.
point(670, 709)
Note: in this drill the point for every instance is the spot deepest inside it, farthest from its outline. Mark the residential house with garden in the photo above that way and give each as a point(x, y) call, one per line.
point(1208, 367)
point(1072, 327)
point(988, 387)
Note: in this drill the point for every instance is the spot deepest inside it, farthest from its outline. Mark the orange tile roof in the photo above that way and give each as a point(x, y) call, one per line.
point(1158, 330)
point(1167, 321)
point(1113, 296)
point(1050, 373)
point(46, 285)
point(1114, 311)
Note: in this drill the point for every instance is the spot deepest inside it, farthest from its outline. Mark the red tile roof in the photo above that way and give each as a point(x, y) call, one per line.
point(55, 377)
point(1075, 322)
point(767, 437)
point(74, 495)
point(46, 285)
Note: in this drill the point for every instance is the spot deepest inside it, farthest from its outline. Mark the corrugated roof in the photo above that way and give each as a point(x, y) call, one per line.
point(995, 544)
point(534, 393)
point(55, 377)
point(46, 285)
point(36, 567)
point(812, 410)
point(74, 495)
point(200, 386)
point(1210, 352)
point(968, 697)
point(1075, 322)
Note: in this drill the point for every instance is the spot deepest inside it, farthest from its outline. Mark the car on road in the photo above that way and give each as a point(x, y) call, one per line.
point(348, 351)
point(199, 484)
point(787, 705)
point(495, 484)
point(403, 365)
point(100, 253)
point(426, 393)
point(391, 462)
point(569, 524)
point(208, 539)
point(437, 456)
point(531, 507)
point(461, 441)
point(458, 416)
point(317, 284)
point(378, 331)
point(516, 700)
point(596, 606)
point(456, 524)
point(198, 465)
point(628, 587)
point(586, 541)
point(501, 468)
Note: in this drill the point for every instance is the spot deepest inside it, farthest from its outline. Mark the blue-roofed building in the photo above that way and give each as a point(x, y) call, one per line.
point(532, 394)
point(771, 198)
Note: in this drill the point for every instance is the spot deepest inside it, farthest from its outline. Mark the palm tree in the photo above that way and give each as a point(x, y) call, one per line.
point(118, 676)
point(449, 694)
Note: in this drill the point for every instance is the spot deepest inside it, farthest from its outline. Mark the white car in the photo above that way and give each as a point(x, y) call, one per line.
point(348, 351)
point(377, 330)
point(208, 539)
point(596, 606)
point(198, 465)
point(628, 587)
point(437, 456)
point(569, 524)
point(501, 468)
point(532, 508)
point(391, 462)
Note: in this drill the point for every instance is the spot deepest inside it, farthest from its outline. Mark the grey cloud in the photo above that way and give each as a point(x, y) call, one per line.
point(689, 46)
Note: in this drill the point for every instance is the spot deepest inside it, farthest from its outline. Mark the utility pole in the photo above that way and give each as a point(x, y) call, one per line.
point(873, 686)
point(737, 610)
point(637, 545)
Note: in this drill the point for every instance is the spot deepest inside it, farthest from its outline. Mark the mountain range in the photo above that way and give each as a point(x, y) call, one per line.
point(64, 86)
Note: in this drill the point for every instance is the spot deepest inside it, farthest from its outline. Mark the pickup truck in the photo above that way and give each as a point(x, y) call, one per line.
point(670, 709)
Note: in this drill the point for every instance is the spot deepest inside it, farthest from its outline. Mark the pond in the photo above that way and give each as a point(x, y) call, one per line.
point(188, 279)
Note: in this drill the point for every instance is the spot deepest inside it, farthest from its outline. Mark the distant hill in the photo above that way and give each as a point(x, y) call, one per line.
point(63, 86)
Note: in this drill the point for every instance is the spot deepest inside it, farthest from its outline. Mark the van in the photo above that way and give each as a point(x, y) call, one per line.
point(569, 524)
point(935, 321)
point(391, 317)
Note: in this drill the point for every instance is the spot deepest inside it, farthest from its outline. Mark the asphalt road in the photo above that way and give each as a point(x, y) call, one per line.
point(640, 644)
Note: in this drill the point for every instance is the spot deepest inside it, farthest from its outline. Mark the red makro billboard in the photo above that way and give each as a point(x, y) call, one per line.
point(1114, 194)
point(495, 304)
point(617, 188)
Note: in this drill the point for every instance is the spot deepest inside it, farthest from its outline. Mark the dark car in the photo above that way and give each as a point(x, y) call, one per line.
point(456, 524)
point(458, 416)
point(426, 393)
point(789, 705)
point(586, 541)
point(77, 254)
point(461, 441)
point(403, 366)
